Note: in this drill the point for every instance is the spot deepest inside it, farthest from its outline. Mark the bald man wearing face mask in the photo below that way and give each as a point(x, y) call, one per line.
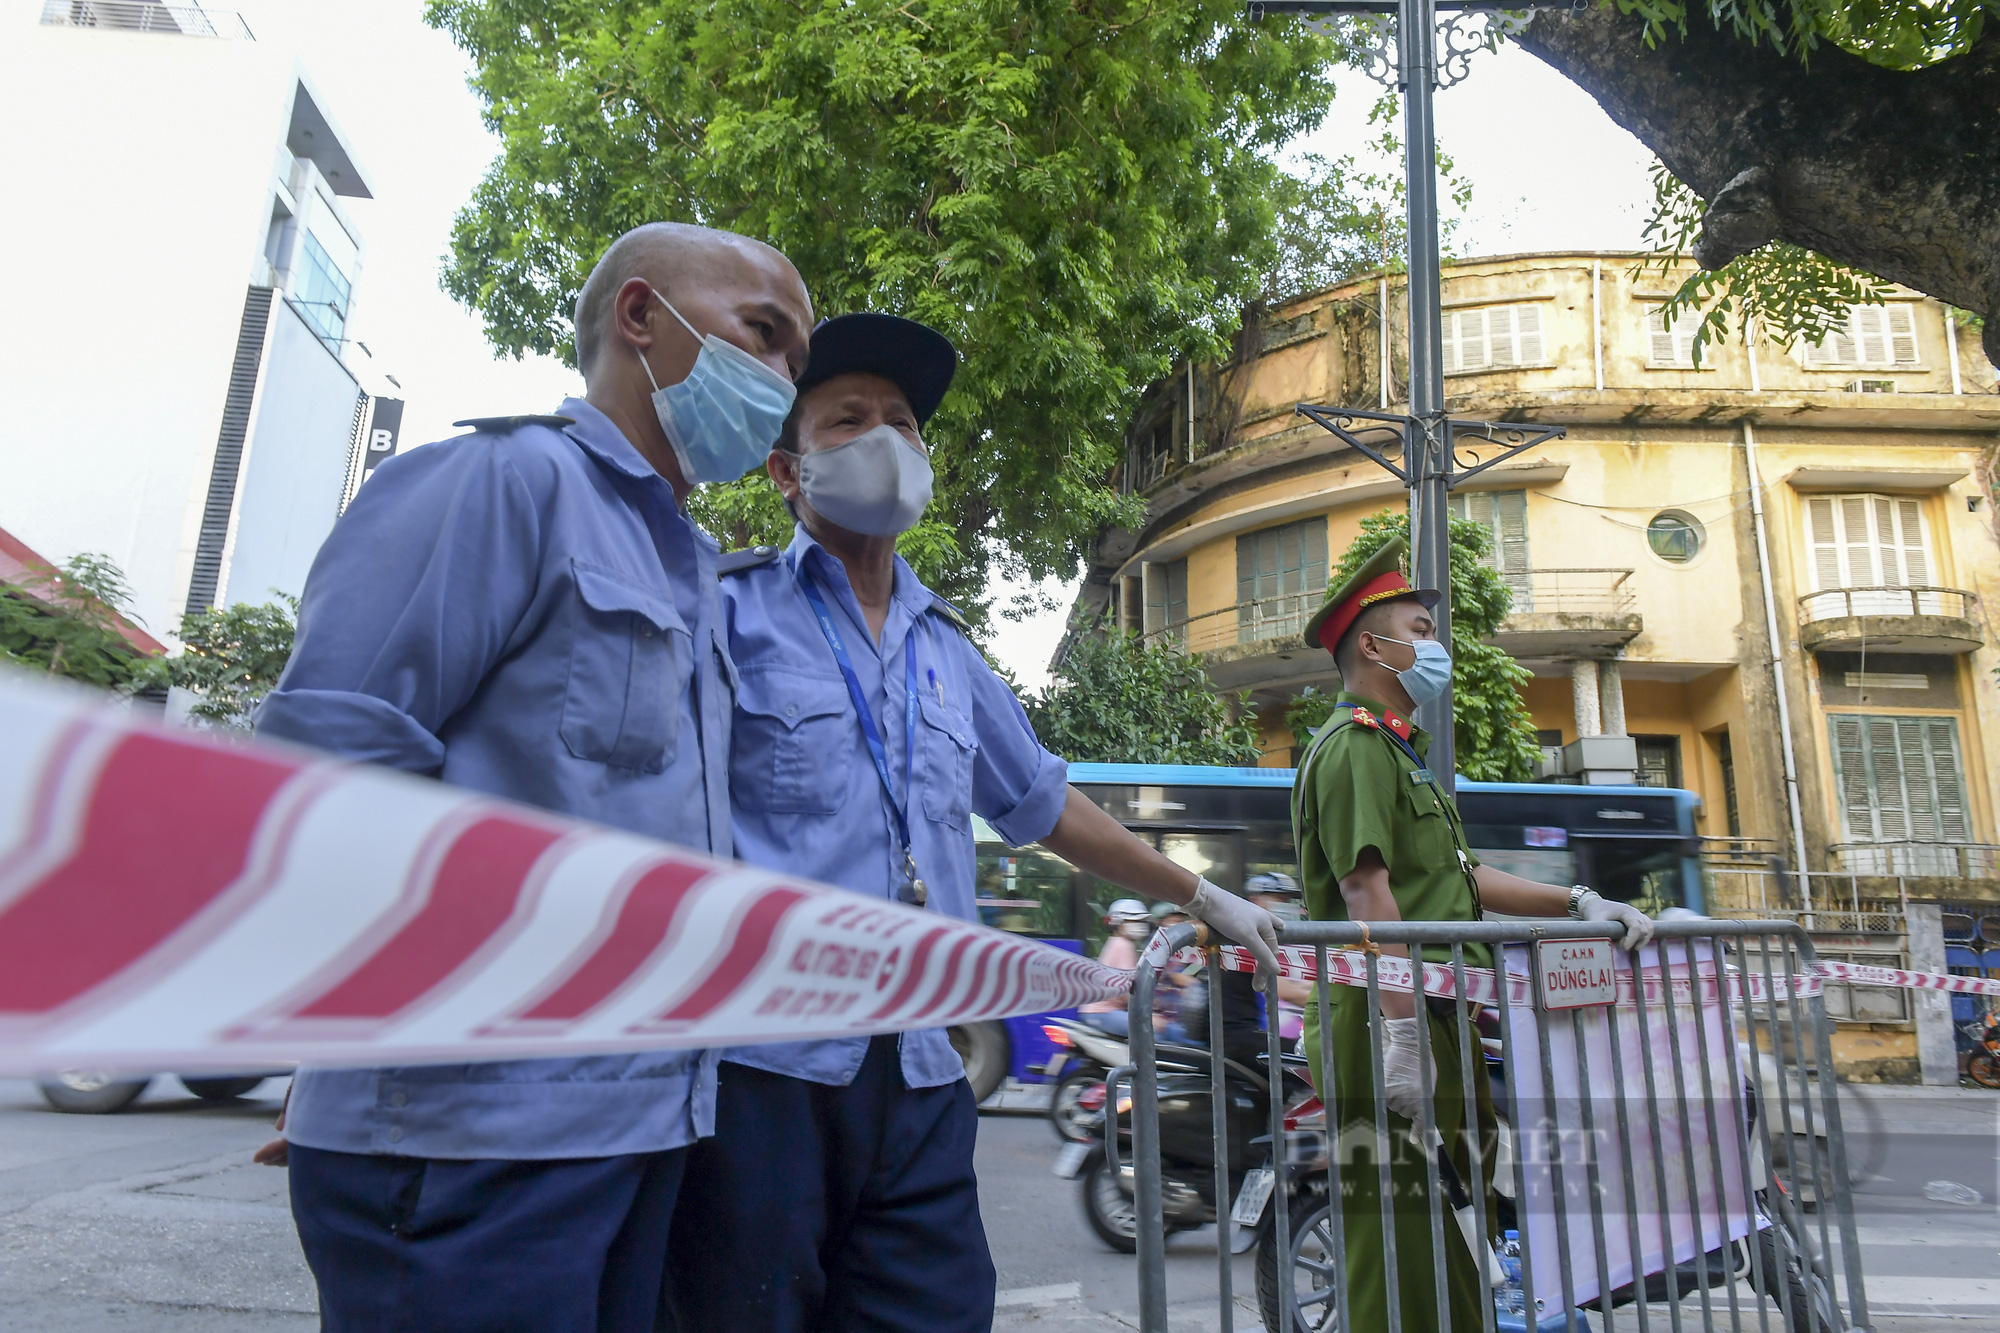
point(838, 1191)
point(526, 610)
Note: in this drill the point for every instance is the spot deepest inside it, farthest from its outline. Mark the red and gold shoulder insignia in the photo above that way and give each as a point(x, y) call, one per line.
point(1363, 717)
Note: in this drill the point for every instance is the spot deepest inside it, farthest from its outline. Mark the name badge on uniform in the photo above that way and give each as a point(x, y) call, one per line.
point(1418, 776)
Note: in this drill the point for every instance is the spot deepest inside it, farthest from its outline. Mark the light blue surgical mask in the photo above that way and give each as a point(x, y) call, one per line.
point(724, 417)
point(1426, 678)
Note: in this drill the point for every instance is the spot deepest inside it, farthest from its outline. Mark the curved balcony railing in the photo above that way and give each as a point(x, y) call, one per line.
point(1604, 592)
point(1949, 860)
point(1914, 600)
point(1243, 623)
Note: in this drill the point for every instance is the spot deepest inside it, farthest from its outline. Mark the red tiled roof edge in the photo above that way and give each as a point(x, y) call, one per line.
point(16, 556)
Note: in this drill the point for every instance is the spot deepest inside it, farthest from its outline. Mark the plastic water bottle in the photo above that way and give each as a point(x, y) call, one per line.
point(1511, 1298)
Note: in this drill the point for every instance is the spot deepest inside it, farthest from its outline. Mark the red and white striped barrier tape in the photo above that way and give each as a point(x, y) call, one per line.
point(1350, 968)
point(1861, 974)
point(171, 902)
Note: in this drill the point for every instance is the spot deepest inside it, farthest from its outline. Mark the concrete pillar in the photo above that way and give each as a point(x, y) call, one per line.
point(1937, 1050)
point(1611, 696)
point(1583, 691)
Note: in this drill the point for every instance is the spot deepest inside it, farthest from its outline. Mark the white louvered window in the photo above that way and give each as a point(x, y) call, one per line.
point(1869, 541)
point(1497, 337)
point(1874, 335)
point(1505, 515)
point(1900, 781)
point(1671, 346)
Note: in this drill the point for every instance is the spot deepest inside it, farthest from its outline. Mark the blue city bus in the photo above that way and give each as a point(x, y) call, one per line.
point(1637, 844)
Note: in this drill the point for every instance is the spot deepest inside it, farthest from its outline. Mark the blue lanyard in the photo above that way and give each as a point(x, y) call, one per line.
point(913, 890)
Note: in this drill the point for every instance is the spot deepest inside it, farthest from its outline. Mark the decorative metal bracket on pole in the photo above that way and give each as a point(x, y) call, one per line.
point(1428, 438)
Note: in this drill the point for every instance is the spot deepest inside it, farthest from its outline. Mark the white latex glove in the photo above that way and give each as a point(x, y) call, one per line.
point(1638, 926)
point(1402, 1077)
point(1242, 921)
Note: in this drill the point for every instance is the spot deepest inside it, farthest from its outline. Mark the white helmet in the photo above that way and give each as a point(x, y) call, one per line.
point(1125, 912)
point(1275, 884)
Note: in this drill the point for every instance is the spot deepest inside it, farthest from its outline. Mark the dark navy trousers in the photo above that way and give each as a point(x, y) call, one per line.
point(431, 1246)
point(818, 1209)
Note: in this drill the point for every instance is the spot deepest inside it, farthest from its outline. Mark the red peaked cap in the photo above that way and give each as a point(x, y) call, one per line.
point(1379, 580)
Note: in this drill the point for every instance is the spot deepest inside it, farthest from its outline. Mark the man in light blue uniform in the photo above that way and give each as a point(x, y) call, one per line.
point(838, 1192)
point(527, 611)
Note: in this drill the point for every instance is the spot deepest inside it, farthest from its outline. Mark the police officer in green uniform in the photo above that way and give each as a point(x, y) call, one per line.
point(1379, 841)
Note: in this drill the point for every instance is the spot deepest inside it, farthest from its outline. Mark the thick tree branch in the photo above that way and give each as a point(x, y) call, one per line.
point(1892, 172)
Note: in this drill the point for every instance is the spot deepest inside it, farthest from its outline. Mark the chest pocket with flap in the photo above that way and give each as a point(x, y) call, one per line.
point(790, 731)
point(945, 748)
point(630, 659)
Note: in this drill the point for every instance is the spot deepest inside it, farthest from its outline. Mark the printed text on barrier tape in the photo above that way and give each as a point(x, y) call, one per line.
point(168, 902)
point(1349, 968)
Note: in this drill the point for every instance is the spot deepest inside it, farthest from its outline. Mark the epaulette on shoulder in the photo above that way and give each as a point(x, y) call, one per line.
point(951, 613)
point(1364, 718)
point(751, 557)
point(503, 425)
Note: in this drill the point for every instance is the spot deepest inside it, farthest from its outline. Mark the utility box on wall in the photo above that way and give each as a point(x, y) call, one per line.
point(1601, 761)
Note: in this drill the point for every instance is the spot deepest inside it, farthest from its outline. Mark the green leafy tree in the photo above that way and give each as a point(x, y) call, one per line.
point(1819, 148)
point(1790, 292)
point(1077, 194)
point(232, 659)
point(1492, 732)
point(65, 621)
point(1117, 699)
point(1339, 217)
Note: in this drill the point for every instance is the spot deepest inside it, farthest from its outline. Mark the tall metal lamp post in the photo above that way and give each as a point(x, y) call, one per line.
point(1427, 438)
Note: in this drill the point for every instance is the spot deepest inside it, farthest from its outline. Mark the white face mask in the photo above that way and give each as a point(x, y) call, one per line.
point(877, 483)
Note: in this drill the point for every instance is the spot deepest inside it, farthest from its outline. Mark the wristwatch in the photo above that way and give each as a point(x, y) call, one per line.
point(1577, 893)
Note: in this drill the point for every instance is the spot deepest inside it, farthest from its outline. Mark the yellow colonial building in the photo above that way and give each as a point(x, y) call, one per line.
point(1839, 493)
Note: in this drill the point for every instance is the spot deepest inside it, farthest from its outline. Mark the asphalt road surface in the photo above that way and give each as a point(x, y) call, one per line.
point(154, 1218)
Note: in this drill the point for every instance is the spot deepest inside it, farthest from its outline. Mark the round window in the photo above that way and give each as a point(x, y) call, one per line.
point(1675, 536)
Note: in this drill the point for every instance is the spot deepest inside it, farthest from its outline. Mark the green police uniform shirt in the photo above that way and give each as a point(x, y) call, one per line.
point(1358, 789)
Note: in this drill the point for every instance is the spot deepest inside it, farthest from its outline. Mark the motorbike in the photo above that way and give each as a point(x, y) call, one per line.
point(1187, 1156)
point(1084, 1055)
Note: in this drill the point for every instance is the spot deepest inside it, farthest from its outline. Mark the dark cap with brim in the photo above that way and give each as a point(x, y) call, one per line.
point(1380, 579)
point(914, 357)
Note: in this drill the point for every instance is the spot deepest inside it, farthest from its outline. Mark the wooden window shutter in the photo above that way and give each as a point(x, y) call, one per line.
point(1941, 741)
point(1500, 335)
point(1903, 334)
point(1850, 763)
point(1450, 325)
point(1916, 556)
point(1888, 550)
point(1246, 568)
point(1919, 781)
point(1844, 347)
point(1825, 543)
point(1315, 554)
point(1511, 525)
point(1662, 337)
point(1871, 334)
point(1858, 564)
point(1472, 353)
point(1885, 762)
point(1528, 335)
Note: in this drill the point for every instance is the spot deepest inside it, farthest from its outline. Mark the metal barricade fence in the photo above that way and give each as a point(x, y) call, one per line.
point(1682, 1141)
